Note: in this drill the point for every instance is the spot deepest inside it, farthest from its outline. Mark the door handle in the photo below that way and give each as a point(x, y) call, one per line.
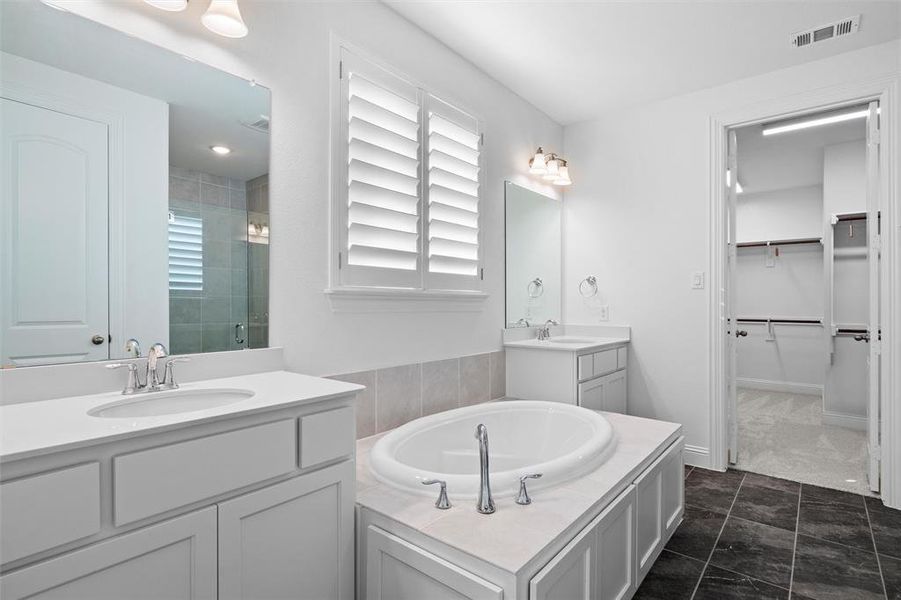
point(741, 333)
point(864, 337)
point(97, 339)
point(239, 333)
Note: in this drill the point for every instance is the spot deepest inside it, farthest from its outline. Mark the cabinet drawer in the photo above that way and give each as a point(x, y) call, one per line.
point(49, 509)
point(326, 436)
point(586, 367)
point(153, 481)
point(604, 362)
point(622, 357)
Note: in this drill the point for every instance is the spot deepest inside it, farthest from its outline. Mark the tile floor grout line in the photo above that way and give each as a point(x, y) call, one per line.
point(875, 549)
point(791, 577)
point(717, 540)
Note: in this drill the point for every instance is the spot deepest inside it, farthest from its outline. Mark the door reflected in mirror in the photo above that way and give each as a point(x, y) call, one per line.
point(135, 197)
point(534, 256)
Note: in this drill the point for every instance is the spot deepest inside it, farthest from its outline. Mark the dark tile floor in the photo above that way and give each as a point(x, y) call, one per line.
point(747, 536)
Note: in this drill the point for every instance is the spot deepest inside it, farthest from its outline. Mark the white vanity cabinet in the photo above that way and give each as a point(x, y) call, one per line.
point(592, 377)
point(247, 507)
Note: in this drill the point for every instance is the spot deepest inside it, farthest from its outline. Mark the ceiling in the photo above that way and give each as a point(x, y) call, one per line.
point(206, 106)
point(577, 59)
point(789, 160)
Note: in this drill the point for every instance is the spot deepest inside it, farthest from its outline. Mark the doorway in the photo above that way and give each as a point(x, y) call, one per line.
point(801, 298)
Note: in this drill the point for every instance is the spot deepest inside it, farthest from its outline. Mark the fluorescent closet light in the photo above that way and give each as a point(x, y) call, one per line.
point(224, 17)
point(169, 5)
point(816, 122)
point(221, 150)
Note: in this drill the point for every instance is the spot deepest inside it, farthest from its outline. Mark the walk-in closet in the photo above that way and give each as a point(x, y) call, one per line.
point(802, 299)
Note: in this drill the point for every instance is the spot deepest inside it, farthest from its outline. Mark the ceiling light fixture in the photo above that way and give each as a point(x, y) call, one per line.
point(550, 167)
point(815, 122)
point(224, 17)
point(221, 150)
point(168, 5)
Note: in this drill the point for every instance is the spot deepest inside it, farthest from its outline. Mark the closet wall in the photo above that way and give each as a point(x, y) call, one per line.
point(781, 282)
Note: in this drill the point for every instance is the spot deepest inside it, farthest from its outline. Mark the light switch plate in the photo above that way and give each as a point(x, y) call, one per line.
point(604, 312)
point(697, 280)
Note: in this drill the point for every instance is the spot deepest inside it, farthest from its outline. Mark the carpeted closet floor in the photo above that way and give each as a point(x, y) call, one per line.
point(783, 435)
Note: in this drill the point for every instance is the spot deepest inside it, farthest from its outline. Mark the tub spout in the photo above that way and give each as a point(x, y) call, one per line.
point(485, 504)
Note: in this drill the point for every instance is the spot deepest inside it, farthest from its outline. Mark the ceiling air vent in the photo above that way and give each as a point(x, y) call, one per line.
point(826, 32)
point(261, 124)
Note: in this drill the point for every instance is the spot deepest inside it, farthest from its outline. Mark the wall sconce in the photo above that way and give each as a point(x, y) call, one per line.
point(550, 167)
point(222, 16)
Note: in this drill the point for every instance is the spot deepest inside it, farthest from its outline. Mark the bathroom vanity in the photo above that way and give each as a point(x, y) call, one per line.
point(249, 498)
point(590, 537)
point(586, 370)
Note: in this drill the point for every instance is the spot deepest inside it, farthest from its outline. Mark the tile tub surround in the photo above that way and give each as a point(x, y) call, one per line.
point(751, 536)
point(397, 395)
point(511, 537)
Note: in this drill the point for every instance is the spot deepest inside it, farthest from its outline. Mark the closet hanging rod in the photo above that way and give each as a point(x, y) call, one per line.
point(788, 242)
point(850, 331)
point(780, 321)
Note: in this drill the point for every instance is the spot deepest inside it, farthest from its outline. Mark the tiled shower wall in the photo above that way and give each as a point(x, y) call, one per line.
point(396, 395)
point(258, 263)
point(204, 321)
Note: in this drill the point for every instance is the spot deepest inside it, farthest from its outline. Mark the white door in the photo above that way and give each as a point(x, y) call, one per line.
point(174, 560)
point(294, 539)
point(728, 294)
point(54, 304)
point(873, 245)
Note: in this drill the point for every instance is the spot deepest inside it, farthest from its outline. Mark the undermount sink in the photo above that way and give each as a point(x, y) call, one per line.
point(156, 404)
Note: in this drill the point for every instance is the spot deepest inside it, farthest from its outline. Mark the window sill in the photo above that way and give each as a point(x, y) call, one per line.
point(400, 300)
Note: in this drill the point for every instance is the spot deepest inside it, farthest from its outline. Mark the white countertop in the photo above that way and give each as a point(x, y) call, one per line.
point(514, 535)
point(40, 427)
point(587, 343)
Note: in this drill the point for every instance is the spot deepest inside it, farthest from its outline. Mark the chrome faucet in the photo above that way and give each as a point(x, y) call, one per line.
point(485, 504)
point(156, 352)
point(544, 333)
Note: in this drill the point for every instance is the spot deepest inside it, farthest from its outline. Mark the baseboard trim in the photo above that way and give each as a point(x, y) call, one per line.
point(847, 421)
point(697, 456)
point(789, 387)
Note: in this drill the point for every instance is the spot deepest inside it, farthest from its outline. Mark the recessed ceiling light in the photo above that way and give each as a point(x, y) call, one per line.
point(221, 150)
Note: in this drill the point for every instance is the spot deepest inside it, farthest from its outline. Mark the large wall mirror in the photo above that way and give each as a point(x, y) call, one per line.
point(534, 256)
point(134, 196)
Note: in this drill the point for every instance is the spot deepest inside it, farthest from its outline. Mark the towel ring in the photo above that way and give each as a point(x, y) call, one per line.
point(535, 288)
point(591, 289)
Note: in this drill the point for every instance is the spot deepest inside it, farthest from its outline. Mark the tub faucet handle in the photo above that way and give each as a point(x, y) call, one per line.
point(442, 502)
point(523, 496)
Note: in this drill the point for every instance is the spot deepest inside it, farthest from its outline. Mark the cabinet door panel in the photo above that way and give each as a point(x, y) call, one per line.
point(648, 518)
point(291, 540)
point(616, 549)
point(604, 362)
point(615, 392)
point(174, 560)
point(591, 394)
point(398, 570)
point(673, 501)
point(571, 574)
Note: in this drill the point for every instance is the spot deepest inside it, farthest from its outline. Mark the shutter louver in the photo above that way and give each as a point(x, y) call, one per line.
point(453, 194)
point(185, 253)
point(382, 174)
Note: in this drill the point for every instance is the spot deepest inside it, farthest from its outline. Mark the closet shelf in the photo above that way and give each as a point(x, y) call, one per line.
point(856, 216)
point(786, 242)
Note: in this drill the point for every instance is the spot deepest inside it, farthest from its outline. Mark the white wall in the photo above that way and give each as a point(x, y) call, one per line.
point(637, 217)
point(779, 214)
point(288, 51)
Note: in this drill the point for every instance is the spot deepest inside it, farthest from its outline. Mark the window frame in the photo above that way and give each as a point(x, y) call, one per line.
point(368, 284)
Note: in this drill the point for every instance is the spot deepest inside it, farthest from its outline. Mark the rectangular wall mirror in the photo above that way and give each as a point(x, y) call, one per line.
point(534, 256)
point(135, 196)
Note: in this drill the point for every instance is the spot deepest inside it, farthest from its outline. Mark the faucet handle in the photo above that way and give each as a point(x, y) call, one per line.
point(442, 502)
point(169, 373)
point(523, 496)
point(133, 384)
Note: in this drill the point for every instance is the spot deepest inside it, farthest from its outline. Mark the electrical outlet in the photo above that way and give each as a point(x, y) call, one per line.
point(604, 312)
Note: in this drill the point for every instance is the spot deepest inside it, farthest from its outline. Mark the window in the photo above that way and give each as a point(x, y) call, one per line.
point(407, 185)
point(185, 253)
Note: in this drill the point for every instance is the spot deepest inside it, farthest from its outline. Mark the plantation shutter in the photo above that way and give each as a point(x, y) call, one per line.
point(380, 235)
point(454, 146)
point(185, 253)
